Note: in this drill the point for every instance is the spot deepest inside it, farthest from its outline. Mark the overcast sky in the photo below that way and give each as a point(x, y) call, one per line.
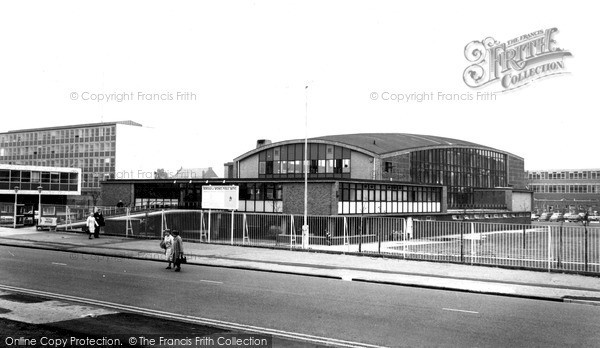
point(246, 64)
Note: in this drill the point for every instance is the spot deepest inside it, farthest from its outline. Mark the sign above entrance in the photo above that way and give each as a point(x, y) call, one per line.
point(220, 197)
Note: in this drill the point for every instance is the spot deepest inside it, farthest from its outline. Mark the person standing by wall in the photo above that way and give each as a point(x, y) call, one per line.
point(91, 224)
point(177, 250)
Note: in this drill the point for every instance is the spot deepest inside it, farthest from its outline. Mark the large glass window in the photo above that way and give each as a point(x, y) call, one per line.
point(287, 161)
point(461, 169)
point(357, 198)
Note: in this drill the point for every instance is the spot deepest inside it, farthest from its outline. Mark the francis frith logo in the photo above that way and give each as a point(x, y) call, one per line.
point(516, 62)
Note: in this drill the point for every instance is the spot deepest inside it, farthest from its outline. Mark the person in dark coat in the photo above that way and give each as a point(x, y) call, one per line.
point(100, 223)
point(177, 250)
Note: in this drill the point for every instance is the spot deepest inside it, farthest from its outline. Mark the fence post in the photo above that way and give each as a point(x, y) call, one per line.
point(560, 245)
point(245, 236)
point(462, 242)
point(346, 241)
point(292, 232)
point(586, 245)
point(208, 225)
point(524, 236)
point(473, 251)
point(362, 222)
point(549, 247)
point(232, 218)
point(404, 232)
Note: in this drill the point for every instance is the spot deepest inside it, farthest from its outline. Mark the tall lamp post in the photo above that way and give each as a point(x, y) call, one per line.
point(39, 188)
point(15, 210)
point(305, 233)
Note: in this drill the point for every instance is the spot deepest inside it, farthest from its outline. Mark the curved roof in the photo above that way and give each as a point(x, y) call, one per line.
point(383, 144)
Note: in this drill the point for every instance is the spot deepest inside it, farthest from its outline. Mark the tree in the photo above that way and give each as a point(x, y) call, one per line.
point(161, 174)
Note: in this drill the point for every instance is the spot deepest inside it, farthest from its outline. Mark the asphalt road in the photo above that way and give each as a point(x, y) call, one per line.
point(377, 314)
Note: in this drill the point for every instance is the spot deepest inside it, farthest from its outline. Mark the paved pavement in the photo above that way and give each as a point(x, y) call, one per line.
point(446, 276)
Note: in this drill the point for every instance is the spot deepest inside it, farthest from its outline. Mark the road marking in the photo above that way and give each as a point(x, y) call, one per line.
point(460, 310)
point(196, 320)
point(59, 264)
point(210, 281)
point(11, 253)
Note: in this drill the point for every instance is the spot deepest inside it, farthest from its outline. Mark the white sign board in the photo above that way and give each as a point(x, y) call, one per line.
point(220, 197)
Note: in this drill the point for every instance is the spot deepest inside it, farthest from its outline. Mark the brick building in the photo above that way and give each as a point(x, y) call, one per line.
point(391, 174)
point(565, 190)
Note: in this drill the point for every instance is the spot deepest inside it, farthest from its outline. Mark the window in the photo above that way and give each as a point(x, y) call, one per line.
point(389, 166)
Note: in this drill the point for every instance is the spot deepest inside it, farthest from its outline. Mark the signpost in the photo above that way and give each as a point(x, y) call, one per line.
point(221, 197)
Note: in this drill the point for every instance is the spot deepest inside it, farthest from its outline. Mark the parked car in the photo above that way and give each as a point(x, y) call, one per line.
point(545, 217)
point(557, 217)
point(572, 217)
point(534, 217)
point(595, 218)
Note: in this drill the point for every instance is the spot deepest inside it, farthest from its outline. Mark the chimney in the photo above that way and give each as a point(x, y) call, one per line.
point(262, 142)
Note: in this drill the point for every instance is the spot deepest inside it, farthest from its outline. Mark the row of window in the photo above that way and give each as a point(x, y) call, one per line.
point(570, 175)
point(337, 166)
point(99, 148)
point(31, 180)
point(388, 207)
point(288, 161)
point(567, 188)
point(84, 163)
point(388, 193)
point(87, 134)
point(261, 192)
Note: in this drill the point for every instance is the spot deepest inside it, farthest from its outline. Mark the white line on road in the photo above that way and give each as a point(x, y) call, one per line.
point(196, 320)
point(11, 253)
point(460, 310)
point(59, 264)
point(210, 281)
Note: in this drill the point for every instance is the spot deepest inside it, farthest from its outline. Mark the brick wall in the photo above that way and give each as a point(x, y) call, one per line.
point(113, 192)
point(400, 170)
point(321, 198)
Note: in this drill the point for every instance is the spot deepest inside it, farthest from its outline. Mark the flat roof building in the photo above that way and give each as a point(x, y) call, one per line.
point(27, 187)
point(107, 150)
point(565, 190)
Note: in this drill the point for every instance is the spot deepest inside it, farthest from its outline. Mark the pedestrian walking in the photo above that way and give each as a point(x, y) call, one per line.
point(100, 223)
point(177, 250)
point(168, 245)
point(91, 224)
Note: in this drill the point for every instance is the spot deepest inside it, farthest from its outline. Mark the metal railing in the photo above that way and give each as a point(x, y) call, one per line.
point(559, 247)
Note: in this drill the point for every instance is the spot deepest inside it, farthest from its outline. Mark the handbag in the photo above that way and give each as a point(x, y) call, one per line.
point(183, 259)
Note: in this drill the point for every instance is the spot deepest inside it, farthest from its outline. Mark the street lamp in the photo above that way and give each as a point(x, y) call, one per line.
point(39, 188)
point(305, 232)
point(15, 216)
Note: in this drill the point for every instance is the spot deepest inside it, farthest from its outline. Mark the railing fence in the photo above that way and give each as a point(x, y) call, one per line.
point(562, 247)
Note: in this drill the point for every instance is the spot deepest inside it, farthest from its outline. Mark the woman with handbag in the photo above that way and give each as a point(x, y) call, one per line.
point(167, 244)
point(177, 250)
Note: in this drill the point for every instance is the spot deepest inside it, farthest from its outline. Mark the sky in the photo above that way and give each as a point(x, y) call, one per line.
point(215, 76)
